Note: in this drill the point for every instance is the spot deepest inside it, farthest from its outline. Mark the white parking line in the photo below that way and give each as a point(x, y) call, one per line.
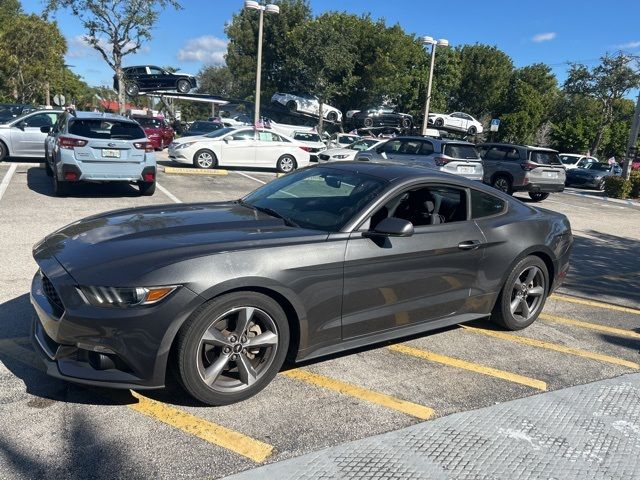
point(168, 193)
point(249, 176)
point(7, 178)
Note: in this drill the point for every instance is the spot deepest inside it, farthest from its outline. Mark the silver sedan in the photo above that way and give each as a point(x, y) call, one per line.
point(23, 136)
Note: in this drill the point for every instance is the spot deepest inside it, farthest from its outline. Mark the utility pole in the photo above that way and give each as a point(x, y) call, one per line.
point(632, 148)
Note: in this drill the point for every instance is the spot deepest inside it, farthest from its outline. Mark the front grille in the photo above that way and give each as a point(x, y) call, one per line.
point(50, 292)
point(324, 156)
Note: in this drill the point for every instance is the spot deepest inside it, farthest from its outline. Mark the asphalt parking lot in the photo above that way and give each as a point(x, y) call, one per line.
point(589, 331)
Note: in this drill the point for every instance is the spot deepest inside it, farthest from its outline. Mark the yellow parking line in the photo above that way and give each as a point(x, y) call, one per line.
point(195, 171)
point(554, 346)
point(618, 332)
point(473, 367)
point(593, 303)
point(381, 399)
point(208, 431)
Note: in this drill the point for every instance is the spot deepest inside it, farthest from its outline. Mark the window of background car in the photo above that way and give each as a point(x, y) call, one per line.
point(411, 147)
point(149, 122)
point(155, 71)
point(105, 129)
point(485, 205)
point(219, 132)
point(569, 159)
point(544, 158)
point(307, 137)
point(268, 136)
point(512, 153)
point(467, 152)
point(427, 148)
point(493, 153)
point(318, 198)
point(243, 135)
point(392, 146)
point(41, 120)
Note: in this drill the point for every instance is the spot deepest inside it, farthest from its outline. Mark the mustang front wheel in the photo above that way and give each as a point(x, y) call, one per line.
point(232, 347)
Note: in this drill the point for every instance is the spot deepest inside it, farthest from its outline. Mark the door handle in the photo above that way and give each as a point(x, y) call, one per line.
point(469, 245)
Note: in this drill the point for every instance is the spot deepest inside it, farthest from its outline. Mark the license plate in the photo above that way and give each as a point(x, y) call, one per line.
point(110, 153)
point(466, 169)
point(551, 174)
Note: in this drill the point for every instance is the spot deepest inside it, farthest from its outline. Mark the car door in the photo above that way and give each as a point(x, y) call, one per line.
point(27, 140)
point(269, 147)
point(394, 282)
point(239, 149)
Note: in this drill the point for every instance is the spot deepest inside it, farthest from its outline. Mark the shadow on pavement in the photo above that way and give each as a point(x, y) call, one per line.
point(604, 265)
point(39, 182)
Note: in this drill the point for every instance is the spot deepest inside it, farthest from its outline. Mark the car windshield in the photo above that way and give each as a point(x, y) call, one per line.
point(205, 126)
point(346, 140)
point(318, 198)
point(467, 152)
point(106, 129)
point(363, 144)
point(149, 122)
point(542, 157)
point(569, 159)
point(307, 137)
point(220, 132)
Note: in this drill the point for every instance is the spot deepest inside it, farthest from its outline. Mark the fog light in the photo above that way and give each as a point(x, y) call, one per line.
point(70, 176)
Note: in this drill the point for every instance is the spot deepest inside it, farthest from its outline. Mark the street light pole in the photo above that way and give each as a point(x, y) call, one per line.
point(430, 41)
point(270, 8)
point(632, 150)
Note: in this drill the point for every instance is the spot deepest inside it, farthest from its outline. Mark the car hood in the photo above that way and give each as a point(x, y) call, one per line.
point(340, 151)
point(196, 137)
point(116, 244)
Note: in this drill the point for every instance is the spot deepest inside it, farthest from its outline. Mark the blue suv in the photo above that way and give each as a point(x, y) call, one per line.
point(98, 147)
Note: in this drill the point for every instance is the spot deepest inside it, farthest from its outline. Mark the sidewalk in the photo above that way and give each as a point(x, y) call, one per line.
point(589, 431)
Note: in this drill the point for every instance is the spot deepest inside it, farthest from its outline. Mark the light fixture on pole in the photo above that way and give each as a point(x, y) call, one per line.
point(443, 42)
point(270, 8)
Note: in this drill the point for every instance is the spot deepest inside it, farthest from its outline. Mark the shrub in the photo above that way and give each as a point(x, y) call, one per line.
point(635, 184)
point(617, 187)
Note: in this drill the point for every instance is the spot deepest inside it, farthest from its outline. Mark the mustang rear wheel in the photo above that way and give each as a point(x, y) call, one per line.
point(523, 294)
point(232, 347)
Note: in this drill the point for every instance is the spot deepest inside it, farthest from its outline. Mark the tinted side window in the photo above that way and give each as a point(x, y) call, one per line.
point(512, 154)
point(106, 129)
point(427, 148)
point(484, 205)
point(40, 120)
point(410, 147)
point(494, 153)
point(392, 146)
point(544, 158)
point(243, 135)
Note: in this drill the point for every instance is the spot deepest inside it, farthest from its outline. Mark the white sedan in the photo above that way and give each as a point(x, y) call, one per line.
point(241, 147)
point(306, 103)
point(573, 160)
point(349, 152)
point(456, 121)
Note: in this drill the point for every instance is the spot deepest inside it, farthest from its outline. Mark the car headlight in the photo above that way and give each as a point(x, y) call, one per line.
point(340, 157)
point(184, 145)
point(124, 296)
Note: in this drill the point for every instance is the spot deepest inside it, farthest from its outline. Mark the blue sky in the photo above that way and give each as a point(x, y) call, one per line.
point(553, 32)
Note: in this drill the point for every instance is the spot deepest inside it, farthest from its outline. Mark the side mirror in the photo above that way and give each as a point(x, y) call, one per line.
point(45, 129)
point(22, 125)
point(228, 139)
point(392, 227)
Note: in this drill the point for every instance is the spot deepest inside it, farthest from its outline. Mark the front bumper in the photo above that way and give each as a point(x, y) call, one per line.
point(112, 347)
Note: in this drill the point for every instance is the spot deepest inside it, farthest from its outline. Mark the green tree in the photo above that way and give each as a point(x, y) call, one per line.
point(608, 82)
point(322, 57)
point(217, 80)
point(32, 49)
point(115, 28)
point(575, 123)
point(485, 73)
point(241, 56)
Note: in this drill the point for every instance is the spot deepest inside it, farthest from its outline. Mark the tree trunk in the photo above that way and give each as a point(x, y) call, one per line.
point(47, 94)
point(606, 115)
point(121, 93)
point(321, 120)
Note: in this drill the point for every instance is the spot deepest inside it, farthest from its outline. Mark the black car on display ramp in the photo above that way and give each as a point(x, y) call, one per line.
point(303, 266)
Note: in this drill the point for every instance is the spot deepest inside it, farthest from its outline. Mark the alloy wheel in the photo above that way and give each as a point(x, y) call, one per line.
point(527, 294)
point(501, 184)
point(237, 349)
point(204, 160)
point(286, 164)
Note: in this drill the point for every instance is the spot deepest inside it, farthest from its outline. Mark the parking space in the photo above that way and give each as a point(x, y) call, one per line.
point(589, 331)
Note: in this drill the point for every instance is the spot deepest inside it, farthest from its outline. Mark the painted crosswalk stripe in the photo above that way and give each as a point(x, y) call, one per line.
point(471, 366)
point(618, 332)
point(593, 303)
point(409, 408)
point(532, 342)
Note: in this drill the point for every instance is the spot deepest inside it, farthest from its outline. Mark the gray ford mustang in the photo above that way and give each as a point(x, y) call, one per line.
point(325, 259)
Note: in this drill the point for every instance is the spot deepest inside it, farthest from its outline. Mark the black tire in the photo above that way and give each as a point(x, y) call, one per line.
point(3, 151)
point(368, 122)
point(47, 167)
point(332, 116)
point(538, 196)
point(503, 312)
point(406, 122)
point(147, 188)
point(502, 183)
point(472, 130)
point(132, 89)
point(286, 164)
point(228, 385)
point(292, 105)
point(60, 188)
point(205, 158)
point(439, 122)
point(183, 86)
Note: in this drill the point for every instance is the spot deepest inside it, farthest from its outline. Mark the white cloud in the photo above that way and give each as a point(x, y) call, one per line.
point(544, 37)
point(629, 45)
point(206, 49)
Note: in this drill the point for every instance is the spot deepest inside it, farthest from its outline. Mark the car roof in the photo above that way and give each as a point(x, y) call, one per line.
point(529, 147)
point(100, 116)
point(432, 139)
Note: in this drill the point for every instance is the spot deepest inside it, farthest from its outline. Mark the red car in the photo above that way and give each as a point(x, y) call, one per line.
point(158, 131)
